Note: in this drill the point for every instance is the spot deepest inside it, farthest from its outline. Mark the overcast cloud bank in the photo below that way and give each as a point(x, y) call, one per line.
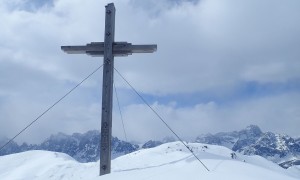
point(237, 62)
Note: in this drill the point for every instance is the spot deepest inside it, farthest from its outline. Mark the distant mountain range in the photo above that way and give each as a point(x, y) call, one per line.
point(82, 147)
point(281, 149)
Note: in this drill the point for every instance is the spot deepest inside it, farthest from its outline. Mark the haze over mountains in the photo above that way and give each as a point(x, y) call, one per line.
point(281, 149)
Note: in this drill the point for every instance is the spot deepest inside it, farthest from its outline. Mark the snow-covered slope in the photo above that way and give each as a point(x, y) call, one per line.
point(168, 161)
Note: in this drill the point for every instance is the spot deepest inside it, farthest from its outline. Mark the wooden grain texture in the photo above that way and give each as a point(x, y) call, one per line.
point(119, 49)
point(107, 91)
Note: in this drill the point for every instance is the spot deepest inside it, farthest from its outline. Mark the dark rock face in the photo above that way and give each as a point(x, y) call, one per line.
point(82, 147)
point(272, 145)
point(151, 144)
point(61, 143)
point(210, 139)
point(247, 137)
point(85, 147)
point(10, 148)
point(281, 149)
point(252, 141)
point(223, 139)
point(288, 164)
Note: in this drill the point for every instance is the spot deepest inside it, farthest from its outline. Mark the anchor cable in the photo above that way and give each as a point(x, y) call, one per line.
point(49, 108)
point(141, 97)
point(121, 115)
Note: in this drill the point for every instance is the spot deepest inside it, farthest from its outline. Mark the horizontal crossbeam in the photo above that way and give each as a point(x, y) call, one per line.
point(119, 49)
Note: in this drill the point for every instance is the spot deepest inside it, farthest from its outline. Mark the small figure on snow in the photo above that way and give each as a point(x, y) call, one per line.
point(233, 155)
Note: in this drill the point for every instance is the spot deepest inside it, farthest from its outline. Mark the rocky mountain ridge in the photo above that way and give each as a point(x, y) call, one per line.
point(281, 149)
point(82, 147)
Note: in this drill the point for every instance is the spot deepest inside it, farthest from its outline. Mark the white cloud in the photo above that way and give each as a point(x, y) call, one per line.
point(279, 114)
point(209, 47)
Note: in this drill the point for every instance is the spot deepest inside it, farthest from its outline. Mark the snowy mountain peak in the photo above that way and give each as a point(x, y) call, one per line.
point(254, 129)
point(83, 147)
point(276, 147)
point(250, 132)
point(279, 148)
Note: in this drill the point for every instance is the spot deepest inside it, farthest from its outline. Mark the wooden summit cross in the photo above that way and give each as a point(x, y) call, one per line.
point(108, 49)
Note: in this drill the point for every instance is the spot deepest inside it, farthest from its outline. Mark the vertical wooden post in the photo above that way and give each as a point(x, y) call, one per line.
point(107, 92)
point(108, 49)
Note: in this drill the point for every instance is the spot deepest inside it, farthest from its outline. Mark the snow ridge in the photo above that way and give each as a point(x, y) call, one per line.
point(167, 161)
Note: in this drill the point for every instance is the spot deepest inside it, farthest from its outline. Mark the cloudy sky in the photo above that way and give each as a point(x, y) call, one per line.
point(221, 65)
